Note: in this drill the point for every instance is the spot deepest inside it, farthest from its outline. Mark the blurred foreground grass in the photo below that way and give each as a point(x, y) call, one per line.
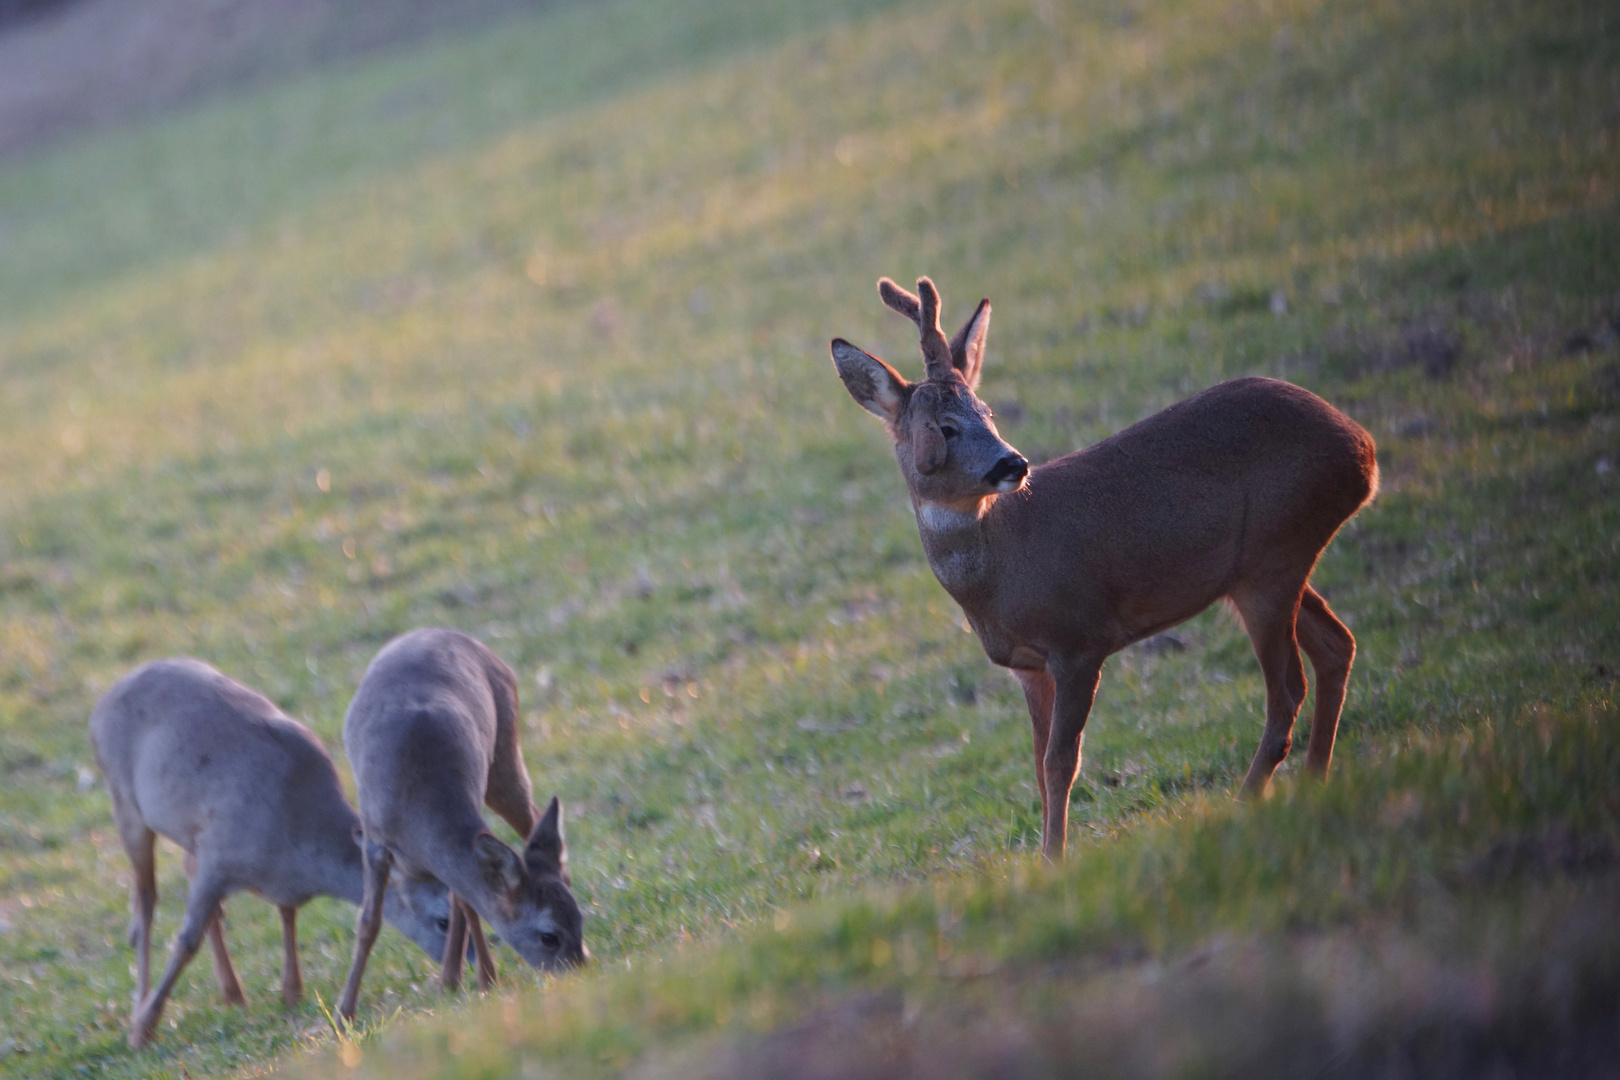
point(526, 334)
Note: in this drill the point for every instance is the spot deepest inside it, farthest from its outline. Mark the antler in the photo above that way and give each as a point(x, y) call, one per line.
point(925, 313)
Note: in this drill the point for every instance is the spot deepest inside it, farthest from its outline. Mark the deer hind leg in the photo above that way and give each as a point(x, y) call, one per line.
point(1039, 691)
point(292, 976)
point(1332, 650)
point(376, 862)
point(230, 987)
point(140, 844)
point(509, 792)
point(1270, 620)
point(202, 906)
point(1074, 683)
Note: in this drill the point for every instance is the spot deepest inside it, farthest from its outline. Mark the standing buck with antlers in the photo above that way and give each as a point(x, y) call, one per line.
point(1232, 493)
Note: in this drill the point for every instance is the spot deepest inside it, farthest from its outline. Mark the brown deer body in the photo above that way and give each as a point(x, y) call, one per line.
point(1232, 493)
point(432, 735)
point(252, 797)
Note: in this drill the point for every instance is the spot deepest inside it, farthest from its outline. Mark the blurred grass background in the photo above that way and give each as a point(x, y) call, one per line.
point(523, 330)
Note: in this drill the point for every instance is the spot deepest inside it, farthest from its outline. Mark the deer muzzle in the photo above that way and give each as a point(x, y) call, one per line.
point(1008, 473)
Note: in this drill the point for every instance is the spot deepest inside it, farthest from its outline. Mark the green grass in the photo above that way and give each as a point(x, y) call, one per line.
point(526, 333)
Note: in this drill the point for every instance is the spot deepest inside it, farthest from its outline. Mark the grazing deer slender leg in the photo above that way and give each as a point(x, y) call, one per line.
point(1074, 682)
point(455, 946)
point(1038, 693)
point(230, 987)
point(202, 905)
point(139, 845)
point(1269, 619)
point(486, 962)
point(1332, 650)
point(292, 976)
point(377, 862)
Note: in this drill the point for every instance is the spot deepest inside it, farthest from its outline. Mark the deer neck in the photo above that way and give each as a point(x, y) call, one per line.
point(326, 860)
point(343, 870)
point(957, 542)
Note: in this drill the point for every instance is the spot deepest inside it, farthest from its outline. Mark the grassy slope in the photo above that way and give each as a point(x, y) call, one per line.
point(548, 308)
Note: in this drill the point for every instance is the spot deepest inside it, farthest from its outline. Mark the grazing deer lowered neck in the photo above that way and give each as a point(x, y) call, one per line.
point(432, 735)
point(1232, 493)
point(252, 797)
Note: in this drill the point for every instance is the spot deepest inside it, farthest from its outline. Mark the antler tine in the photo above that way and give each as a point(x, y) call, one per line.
point(900, 300)
point(929, 295)
point(925, 313)
point(935, 349)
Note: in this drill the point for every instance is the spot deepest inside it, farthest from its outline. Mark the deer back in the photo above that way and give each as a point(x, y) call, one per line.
point(209, 763)
point(1171, 512)
point(248, 790)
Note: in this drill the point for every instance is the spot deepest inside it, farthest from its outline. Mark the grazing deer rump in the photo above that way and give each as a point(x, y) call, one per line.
point(1232, 493)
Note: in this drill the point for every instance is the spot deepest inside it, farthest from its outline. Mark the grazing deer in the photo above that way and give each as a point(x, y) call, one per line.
point(252, 797)
point(432, 734)
point(1232, 493)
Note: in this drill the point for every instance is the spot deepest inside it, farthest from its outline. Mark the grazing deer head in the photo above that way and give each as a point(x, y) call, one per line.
point(540, 918)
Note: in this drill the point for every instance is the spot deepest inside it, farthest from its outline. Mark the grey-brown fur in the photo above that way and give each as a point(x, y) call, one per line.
point(1232, 493)
point(252, 797)
point(432, 737)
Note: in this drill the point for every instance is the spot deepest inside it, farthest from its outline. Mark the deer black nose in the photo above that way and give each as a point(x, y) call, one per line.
point(1012, 468)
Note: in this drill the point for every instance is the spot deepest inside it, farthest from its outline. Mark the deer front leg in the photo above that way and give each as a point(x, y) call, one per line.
point(486, 962)
point(455, 946)
point(1074, 682)
point(292, 976)
point(1038, 693)
point(378, 861)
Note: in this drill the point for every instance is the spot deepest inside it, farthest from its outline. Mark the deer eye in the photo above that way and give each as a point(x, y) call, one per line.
point(550, 941)
point(949, 431)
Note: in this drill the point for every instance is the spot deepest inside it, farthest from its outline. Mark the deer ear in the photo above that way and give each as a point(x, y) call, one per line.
point(875, 386)
point(967, 347)
point(927, 447)
point(546, 852)
point(498, 864)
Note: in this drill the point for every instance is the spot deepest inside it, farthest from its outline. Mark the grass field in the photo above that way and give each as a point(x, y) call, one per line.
point(525, 333)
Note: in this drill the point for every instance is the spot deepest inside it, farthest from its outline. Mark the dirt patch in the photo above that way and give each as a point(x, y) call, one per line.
point(69, 67)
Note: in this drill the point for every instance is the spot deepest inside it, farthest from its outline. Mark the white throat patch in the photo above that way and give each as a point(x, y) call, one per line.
point(936, 518)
